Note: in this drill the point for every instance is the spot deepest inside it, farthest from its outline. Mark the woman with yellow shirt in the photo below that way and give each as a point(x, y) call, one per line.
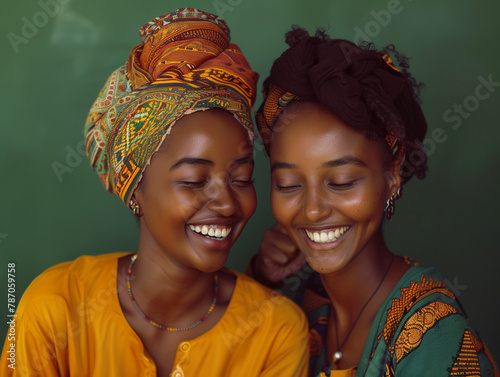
point(170, 134)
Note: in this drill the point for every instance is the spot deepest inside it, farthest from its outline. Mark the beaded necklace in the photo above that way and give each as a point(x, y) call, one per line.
point(168, 328)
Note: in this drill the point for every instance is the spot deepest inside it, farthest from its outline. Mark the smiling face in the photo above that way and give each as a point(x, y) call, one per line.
point(197, 194)
point(329, 185)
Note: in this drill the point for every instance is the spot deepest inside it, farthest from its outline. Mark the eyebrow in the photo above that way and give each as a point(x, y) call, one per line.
point(191, 161)
point(205, 162)
point(244, 160)
point(346, 160)
point(282, 165)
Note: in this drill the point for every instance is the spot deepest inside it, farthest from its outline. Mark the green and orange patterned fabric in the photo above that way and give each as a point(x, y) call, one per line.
point(184, 64)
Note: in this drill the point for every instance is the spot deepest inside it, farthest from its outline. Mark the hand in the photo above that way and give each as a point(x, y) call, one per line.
point(278, 256)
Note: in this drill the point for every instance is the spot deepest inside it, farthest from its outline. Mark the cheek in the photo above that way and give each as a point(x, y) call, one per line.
point(284, 209)
point(180, 204)
point(365, 206)
point(248, 203)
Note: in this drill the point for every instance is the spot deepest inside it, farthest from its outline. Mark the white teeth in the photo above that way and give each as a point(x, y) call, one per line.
point(331, 235)
point(323, 237)
point(213, 231)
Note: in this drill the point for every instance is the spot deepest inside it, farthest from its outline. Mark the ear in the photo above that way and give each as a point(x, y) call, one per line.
point(135, 204)
point(394, 179)
point(138, 195)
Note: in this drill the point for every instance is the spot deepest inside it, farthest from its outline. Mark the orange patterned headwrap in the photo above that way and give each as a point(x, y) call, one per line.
point(186, 63)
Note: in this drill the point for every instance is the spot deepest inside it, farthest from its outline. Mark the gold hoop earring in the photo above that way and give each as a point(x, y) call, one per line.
point(390, 204)
point(136, 210)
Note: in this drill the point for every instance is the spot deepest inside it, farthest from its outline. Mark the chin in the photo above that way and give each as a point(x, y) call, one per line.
point(212, 263)
point(324, 264)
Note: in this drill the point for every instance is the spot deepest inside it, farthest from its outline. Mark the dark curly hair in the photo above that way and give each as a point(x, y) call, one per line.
point(358, 83)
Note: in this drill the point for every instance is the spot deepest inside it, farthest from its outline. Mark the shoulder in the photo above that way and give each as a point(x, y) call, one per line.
point(251, 296)
point(67, 281)
point(426, 287)
point(425, 319)
point(263, 321)
point(420, 292)
point(421, 286)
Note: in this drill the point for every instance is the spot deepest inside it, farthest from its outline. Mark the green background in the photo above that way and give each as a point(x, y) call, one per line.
point(50, 78)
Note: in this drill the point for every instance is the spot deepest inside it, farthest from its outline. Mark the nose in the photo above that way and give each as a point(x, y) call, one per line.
point(221, 198)
point(315, 207)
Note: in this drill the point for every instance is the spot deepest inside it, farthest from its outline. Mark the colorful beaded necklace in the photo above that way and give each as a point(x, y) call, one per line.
point(167, 328)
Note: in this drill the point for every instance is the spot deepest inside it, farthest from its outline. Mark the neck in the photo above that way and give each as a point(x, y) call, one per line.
point(166, 292)
point(350, 288)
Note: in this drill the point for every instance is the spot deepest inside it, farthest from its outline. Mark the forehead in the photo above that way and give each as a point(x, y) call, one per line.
point(209, 131)
point(306, 132)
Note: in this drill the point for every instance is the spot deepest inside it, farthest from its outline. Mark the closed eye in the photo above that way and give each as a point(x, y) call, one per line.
point(244, 183)
point(287, 188)
point(193, 184)
point(342, 185)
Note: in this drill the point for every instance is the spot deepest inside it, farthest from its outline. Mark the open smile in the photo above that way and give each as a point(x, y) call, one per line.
point(326, 236)
point(214, 232)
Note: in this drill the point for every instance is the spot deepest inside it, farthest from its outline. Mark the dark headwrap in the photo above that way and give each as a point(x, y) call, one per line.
point(186, 63)
point(361, 86)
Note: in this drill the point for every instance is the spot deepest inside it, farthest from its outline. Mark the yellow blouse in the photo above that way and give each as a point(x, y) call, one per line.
point(351, 372)
point(69, 323)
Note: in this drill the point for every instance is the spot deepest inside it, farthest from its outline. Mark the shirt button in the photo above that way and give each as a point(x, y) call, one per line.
point(178, 372)
point(184, 346)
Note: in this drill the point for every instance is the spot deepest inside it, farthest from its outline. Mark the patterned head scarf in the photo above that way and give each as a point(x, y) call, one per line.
point(186, 63)
point(361, 86)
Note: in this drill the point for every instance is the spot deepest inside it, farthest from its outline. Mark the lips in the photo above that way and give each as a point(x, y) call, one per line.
point(215, 232)
point(327, 235)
